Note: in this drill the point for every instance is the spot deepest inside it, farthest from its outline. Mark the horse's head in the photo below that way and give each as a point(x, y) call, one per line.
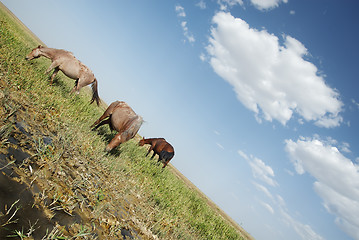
point(141, 142)
point(35, 53)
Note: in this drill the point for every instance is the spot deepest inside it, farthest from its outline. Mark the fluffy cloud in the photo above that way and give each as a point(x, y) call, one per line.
point(267, 4)
point(272, 80)
point(337, 179)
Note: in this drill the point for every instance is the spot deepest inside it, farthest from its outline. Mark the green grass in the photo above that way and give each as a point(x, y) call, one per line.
point(167, 206)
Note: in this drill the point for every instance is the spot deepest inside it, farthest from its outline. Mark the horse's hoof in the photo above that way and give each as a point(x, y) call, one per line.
point(108, 149)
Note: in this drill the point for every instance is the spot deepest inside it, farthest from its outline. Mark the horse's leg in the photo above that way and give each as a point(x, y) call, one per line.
point(166, 156)
point(165, 163)
point(81, 82)
point(106, 114)
point(76, 87)
point(54, 74)
point(150, 149)
point(117, 140)
point(106, 121)
point(53, 65)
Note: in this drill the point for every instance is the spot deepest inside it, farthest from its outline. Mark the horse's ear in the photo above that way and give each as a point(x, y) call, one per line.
point(40, 46)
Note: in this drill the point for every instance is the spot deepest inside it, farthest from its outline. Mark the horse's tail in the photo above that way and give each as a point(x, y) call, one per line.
point(95, 95)
point(165, 157)
point(133, 126)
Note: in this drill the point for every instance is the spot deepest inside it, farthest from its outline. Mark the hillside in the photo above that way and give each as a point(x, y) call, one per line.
point(56, 181)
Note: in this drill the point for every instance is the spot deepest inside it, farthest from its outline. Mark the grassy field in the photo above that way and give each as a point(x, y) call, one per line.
point(56, 181)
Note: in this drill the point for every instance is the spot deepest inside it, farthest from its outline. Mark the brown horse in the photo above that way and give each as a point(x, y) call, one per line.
point(70, 66)
point(123, 119)
point(161, 147)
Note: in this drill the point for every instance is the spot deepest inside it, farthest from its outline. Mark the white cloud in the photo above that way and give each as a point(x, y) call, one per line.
point(226, 4)
point(267, 4)
point(203, 57)
point(355, 103)
point(260, 170)
point(243, 155)
point(263, 172)
point(220, 146)
point(272, 80)
point(267, 206)
point(182, 14)
point(180, 11)
point(281, 201)
point(345, 147)
point(337, 179)
point(263, 189)
point(303, 230)
point(201, 4)
point(289, 172)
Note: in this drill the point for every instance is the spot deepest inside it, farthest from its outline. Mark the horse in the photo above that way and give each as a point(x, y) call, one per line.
point(161, 147)
point(120, 117)
point(70, 66)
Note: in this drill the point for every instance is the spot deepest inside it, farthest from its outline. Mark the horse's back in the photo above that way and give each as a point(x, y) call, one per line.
point(123, 116)
point(156, 140)
point(163, 145)
point(63, 54)
point(168, 148)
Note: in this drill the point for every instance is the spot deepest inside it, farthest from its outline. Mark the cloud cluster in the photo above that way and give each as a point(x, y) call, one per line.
point(182, 14)
point(337, 179)
point(226, 4)
point(272, 80)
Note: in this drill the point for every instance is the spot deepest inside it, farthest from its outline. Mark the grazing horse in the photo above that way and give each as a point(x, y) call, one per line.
point(123, 119)
point(70, 66)
point(161, 147)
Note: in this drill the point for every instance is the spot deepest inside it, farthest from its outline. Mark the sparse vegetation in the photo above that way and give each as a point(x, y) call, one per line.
point(76, 190)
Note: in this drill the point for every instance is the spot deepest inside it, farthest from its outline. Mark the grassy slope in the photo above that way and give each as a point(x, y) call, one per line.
point(157, 203)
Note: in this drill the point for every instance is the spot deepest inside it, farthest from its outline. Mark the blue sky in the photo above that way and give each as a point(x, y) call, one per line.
point(258, 97)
